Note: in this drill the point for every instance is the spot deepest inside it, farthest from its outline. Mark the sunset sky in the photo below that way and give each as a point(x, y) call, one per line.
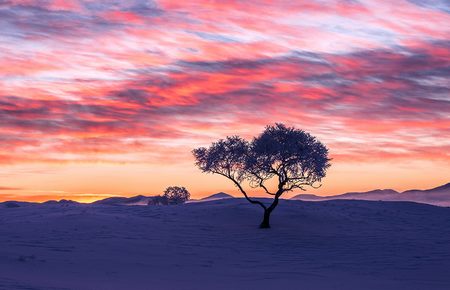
point(102, 98)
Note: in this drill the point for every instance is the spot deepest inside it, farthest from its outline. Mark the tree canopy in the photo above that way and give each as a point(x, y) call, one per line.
point(176, 194)
point(289, 157)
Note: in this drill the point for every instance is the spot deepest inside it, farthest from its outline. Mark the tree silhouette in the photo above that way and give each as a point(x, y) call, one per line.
point(176, 194)
point(287, 157)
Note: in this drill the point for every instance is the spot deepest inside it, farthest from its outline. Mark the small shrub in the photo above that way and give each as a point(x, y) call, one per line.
point(176, 194)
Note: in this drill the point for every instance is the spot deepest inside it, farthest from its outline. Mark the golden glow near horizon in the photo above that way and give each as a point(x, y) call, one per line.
point(99, 100)
point(90, 182)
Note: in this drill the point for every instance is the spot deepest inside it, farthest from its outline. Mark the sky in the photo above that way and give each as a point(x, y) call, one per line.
point(105, 98)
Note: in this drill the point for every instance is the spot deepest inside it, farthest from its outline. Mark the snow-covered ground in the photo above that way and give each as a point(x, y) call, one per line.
point(340, 244)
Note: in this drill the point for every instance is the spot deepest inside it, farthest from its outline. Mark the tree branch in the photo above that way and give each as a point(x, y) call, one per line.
point(298, 185)
point(275, 201)
point(261, 184)
point(243, 191)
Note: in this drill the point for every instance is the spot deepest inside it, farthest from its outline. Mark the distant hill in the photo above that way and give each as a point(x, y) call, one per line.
point(119, 200)
point(308, 197)
point(442, 188)
point(10, 204)
point(220, 195)
point(62, 202)
point(16, 204)
point(373, 194)
point(145, 200)
point(436, 196)
point(215, 196)
point(376, 194)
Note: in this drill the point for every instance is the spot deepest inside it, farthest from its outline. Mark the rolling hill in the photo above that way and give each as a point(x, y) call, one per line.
point(436, 196)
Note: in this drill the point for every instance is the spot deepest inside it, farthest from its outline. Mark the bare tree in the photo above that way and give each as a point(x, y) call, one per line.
point(287, 157)
point(176, 194)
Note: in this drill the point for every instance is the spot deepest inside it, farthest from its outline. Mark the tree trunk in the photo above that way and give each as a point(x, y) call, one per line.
point(265, 224)
point(267, 211)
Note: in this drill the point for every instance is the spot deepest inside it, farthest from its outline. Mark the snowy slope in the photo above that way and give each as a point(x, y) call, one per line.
point(338, 244)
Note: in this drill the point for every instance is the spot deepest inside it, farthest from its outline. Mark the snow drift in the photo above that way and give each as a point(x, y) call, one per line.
point(339, 244)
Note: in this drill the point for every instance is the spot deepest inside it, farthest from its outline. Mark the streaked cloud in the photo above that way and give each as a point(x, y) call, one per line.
point(146, 81)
